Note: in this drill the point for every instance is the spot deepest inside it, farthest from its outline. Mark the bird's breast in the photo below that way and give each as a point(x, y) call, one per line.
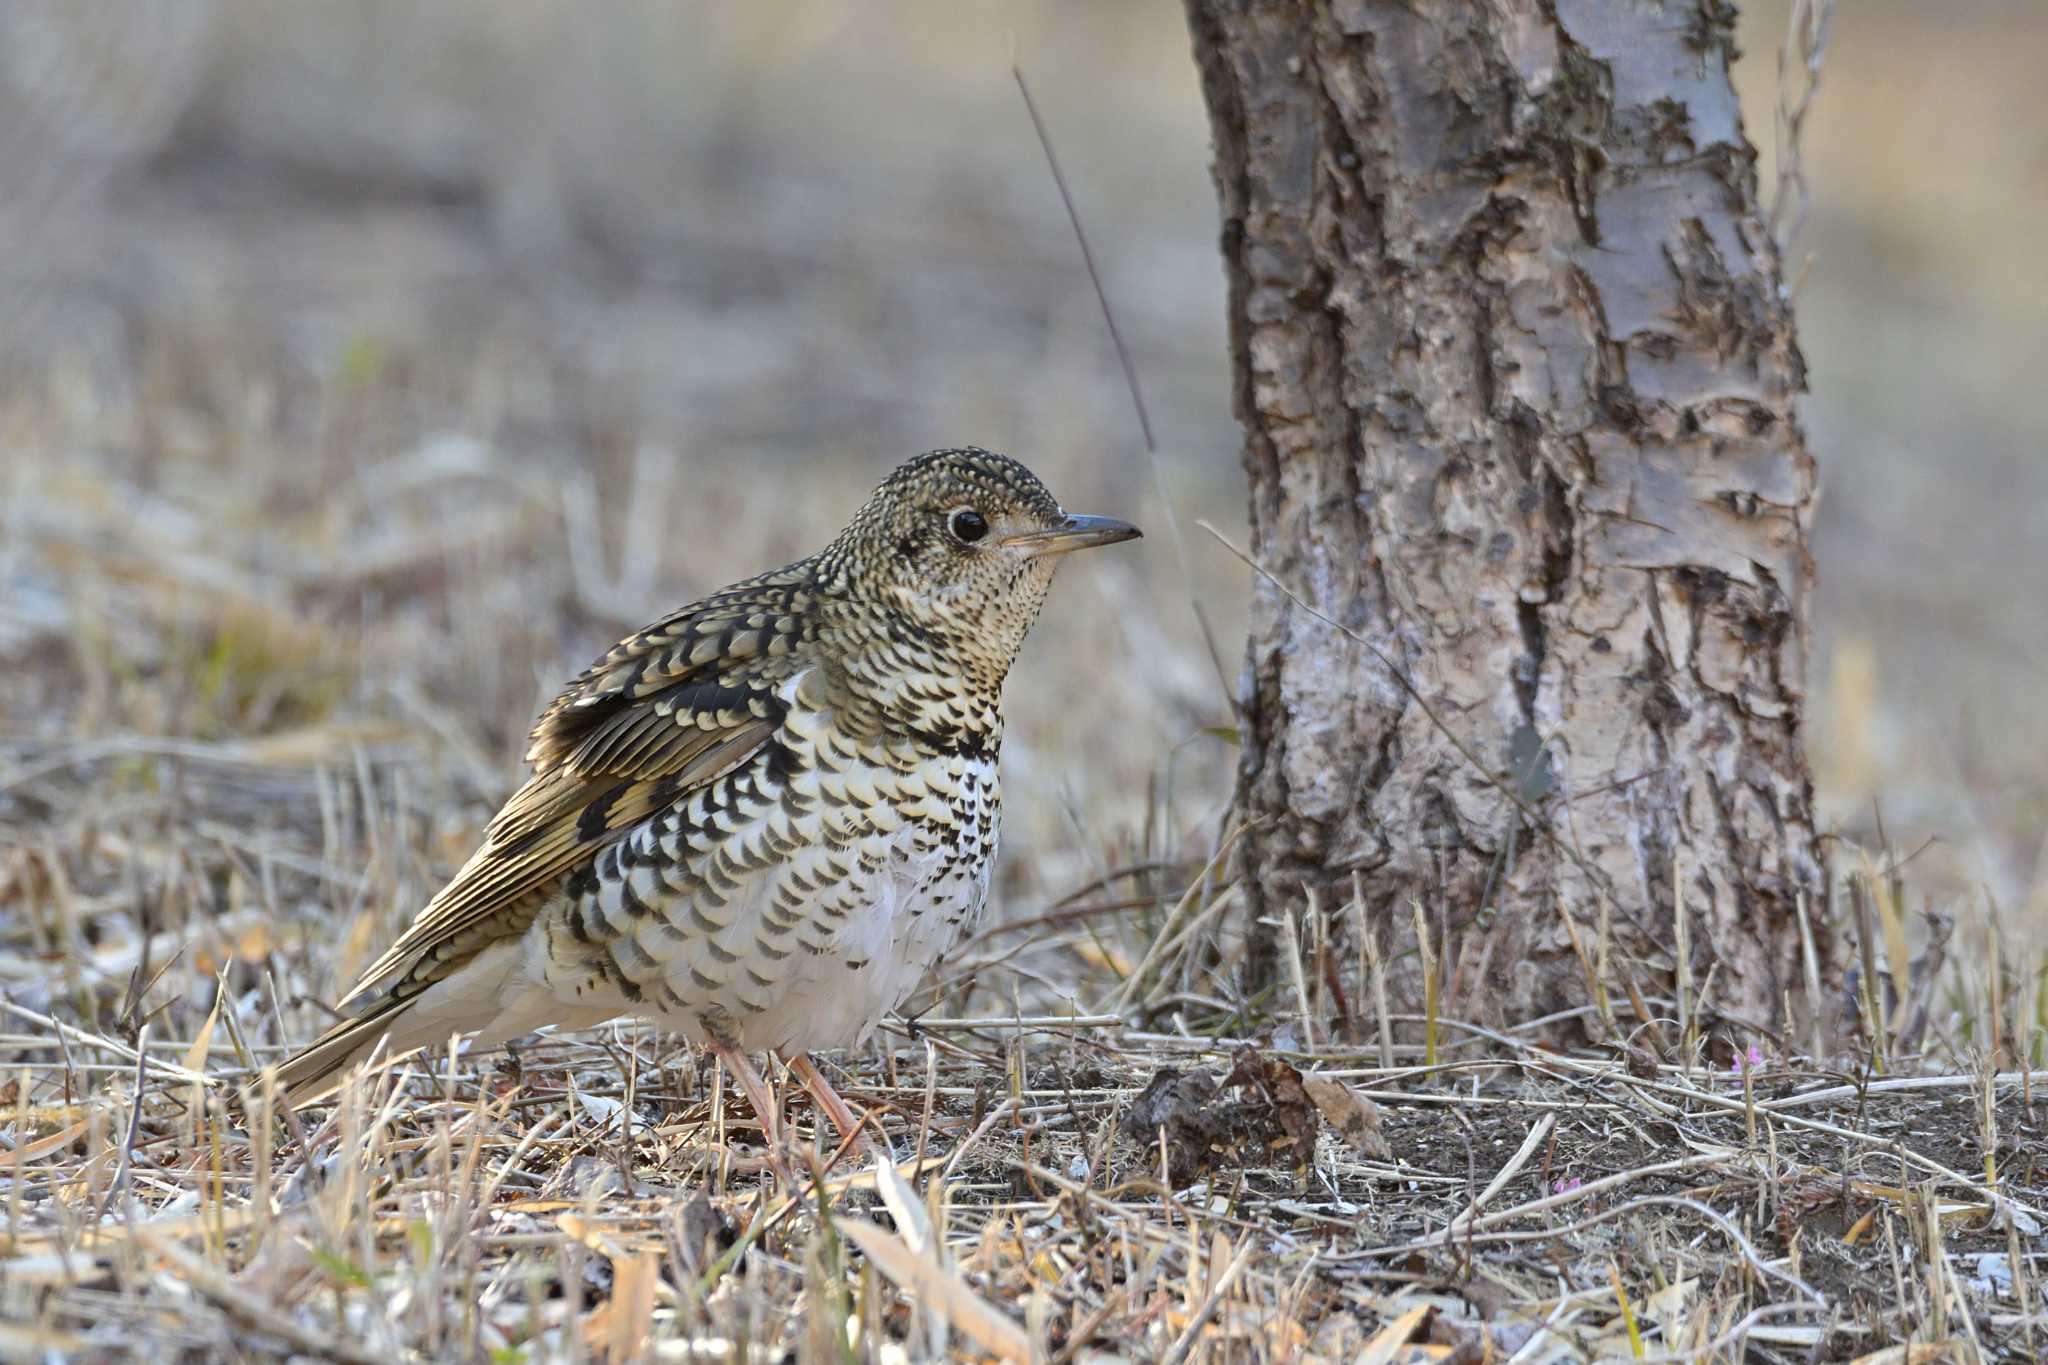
point(794, 901)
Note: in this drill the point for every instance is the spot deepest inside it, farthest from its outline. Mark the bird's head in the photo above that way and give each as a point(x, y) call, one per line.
point(963, 544)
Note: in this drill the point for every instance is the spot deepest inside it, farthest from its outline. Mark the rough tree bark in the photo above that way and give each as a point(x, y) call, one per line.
point(1517, 377)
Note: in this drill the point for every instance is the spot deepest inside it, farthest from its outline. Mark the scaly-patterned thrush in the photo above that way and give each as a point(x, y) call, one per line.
point(761, 819)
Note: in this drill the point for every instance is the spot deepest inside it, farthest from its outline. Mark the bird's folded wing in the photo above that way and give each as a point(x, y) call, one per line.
point(666, 712)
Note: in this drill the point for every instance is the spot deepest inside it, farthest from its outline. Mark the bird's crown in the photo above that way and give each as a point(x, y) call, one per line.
point(949, 500)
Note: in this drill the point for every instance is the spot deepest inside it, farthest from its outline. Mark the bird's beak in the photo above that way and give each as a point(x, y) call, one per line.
point(1075, 533)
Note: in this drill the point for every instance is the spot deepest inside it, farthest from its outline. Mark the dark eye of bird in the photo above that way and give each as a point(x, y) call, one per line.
point(968, 525)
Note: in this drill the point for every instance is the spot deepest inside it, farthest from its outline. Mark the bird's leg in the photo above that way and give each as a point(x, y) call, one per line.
point(758, 1094)
point(830, 1100)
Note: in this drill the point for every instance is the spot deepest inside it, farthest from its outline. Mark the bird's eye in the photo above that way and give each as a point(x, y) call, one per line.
point(967, 525)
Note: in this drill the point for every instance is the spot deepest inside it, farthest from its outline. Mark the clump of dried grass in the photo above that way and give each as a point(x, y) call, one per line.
point(1416, 1188)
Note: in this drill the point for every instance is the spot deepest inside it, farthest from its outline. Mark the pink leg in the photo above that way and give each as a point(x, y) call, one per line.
point(830, 1101)
point(758, 1094)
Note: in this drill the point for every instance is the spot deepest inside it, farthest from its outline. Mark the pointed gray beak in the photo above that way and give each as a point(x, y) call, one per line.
point(1076, 533)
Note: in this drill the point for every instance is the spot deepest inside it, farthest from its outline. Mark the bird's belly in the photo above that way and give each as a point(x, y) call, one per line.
point(771, 942)
point(876, 960)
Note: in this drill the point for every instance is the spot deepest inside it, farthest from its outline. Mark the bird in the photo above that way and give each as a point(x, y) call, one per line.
point(757, 821)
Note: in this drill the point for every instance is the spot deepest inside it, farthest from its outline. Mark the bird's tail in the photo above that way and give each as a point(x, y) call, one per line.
point(318, 1069)
point(480, 994)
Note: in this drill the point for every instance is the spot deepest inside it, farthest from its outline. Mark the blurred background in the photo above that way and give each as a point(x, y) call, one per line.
point(366, 369)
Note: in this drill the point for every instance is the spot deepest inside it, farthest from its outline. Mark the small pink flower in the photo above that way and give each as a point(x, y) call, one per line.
point(1750, 1060)
point(1564, 1184)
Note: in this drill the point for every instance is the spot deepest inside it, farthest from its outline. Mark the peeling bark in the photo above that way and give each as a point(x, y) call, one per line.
point(1518, 385)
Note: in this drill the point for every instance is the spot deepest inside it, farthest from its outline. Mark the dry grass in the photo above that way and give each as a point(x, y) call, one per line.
point(601, 1196)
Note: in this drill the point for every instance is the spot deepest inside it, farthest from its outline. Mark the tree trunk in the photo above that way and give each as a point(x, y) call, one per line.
point(1517, 377)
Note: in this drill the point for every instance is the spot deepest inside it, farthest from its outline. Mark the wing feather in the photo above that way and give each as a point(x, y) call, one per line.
point(669, 710)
